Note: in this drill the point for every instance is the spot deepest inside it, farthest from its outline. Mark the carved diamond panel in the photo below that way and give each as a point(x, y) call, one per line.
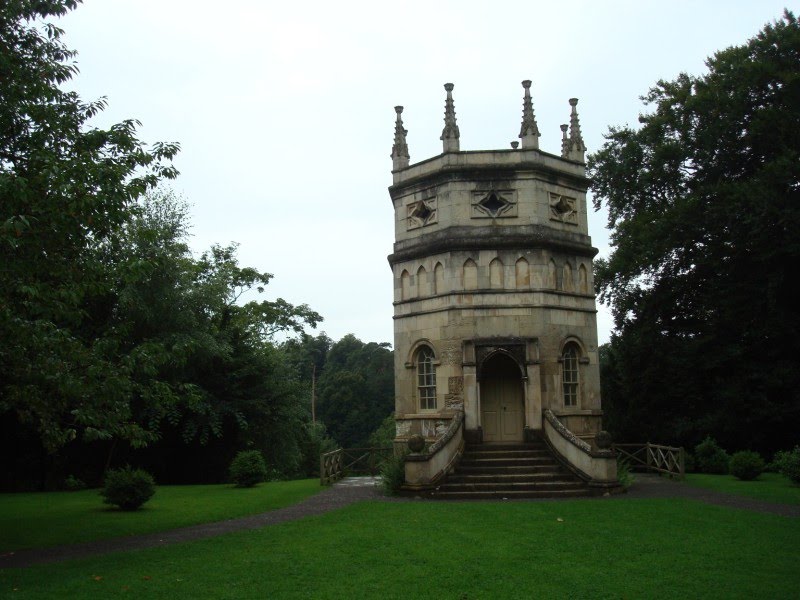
point(563, 209)
point(421, 213)
point(494, 204)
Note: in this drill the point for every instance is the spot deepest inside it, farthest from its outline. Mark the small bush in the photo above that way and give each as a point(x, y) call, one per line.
point(710, 458)
point(128, 488)
point(393, 473)
point(746, 465)
point(73, 484)
point(624, 474)
point(248, 468)
point(788, 463)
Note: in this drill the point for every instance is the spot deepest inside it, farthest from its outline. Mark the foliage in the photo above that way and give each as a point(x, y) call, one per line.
point(248, 468)
point(393, 473)
point(66, 190)
point(710, 458)
point(746, 465)
point(128, 488)
point(73, 484)
point(383, 436)
point(788, 463)
point(40, 519)
point(356, 390)
point(704, 205)
point(315, 443)
point(624, 474)
point(499, 538)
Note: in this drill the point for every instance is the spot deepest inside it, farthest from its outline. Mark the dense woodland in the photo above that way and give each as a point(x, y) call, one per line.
point(704, 209)
point(119, 345)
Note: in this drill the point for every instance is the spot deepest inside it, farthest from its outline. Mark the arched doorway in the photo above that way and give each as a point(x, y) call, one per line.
point(502, 409)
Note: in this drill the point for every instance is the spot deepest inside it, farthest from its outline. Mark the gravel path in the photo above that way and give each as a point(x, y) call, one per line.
point(344, 493)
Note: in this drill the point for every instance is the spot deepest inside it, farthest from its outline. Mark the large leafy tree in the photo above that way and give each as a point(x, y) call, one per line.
point(704, 207)
point(356, 390)
point(66, 188)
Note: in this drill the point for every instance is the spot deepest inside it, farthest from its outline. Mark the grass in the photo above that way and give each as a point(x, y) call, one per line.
point(771, 487)
point(613, 548)
point(33, 520)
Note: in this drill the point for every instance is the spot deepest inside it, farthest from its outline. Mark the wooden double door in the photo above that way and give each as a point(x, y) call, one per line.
point(502, 403)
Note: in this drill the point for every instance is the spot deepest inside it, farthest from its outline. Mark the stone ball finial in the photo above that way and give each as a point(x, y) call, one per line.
point(603, 440)
point(515, 145)
point(449, 87)
point(416, 443)
point(573, 101)
point(398, 109)
point(526, 84)
point(564, 127)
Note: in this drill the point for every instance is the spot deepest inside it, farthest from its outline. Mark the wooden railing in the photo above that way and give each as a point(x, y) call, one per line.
point(351, 461)
point(330, 466)
point(653, 457)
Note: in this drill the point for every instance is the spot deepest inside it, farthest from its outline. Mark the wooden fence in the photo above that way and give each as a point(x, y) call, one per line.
point(351, 461)
point(652, 457)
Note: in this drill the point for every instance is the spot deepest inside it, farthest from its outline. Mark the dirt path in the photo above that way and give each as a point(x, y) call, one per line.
point(344, 493)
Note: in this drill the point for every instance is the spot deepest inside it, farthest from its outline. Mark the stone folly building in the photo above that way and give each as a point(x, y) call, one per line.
point(495, 335)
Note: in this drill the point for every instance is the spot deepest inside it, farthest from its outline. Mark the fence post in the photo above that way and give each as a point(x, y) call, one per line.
point(682, 459)
point(649, 457)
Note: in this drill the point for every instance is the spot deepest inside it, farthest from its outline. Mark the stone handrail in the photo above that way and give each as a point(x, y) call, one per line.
point(597, 467)
point(424, 469)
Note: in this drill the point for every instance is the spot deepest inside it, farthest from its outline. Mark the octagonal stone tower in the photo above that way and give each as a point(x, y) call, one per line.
point(494, 307)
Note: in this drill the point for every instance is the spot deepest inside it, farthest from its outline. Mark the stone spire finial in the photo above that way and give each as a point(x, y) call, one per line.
point(400, 147)
point(577, 148)
point(529, 132)
point(564, 141)
point(450, 133)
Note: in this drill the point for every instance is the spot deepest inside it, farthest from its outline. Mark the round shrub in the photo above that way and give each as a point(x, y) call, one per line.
point(248, 468)
point(746, 465)
point(73, 484)
point(710, 458)
point(128, 488)
point(788, 463)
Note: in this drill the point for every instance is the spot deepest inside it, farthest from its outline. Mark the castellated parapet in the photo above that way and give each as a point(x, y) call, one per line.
point(494, 302)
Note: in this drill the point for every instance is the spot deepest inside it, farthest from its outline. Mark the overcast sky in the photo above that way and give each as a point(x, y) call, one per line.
point(284, 110)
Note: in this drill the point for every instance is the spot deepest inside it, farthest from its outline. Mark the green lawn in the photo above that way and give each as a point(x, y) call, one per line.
point(771, 487)
point(610, 548)
point(51, 518)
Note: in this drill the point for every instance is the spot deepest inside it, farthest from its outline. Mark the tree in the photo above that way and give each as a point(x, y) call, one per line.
point(704, 208)
point(356, 390)
point(65, 189)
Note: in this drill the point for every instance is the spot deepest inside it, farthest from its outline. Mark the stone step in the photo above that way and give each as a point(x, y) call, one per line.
point(499, 446)
point(523, 469)
point(476, 454)
point(511, 486)
point(507, 462)
point(505, 478)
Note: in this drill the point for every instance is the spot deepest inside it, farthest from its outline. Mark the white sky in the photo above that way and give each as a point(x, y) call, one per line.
point(284, 110)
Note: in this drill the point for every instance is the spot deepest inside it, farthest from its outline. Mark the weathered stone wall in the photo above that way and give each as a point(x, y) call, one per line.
point(493, 244)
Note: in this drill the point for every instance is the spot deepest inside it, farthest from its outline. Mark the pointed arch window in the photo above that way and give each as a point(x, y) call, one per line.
point(426, 379)
point(569, 374)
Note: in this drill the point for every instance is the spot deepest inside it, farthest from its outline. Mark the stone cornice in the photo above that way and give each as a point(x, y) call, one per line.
point(511, 237)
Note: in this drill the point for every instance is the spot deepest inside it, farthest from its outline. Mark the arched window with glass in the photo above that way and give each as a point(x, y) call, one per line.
point(426, 379)
point(569, 374)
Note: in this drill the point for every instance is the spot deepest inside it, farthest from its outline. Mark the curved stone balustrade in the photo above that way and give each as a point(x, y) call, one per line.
point(424, 469)
point(597, 467)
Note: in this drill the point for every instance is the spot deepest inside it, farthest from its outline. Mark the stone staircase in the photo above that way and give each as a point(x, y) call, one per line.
point(510, 471)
